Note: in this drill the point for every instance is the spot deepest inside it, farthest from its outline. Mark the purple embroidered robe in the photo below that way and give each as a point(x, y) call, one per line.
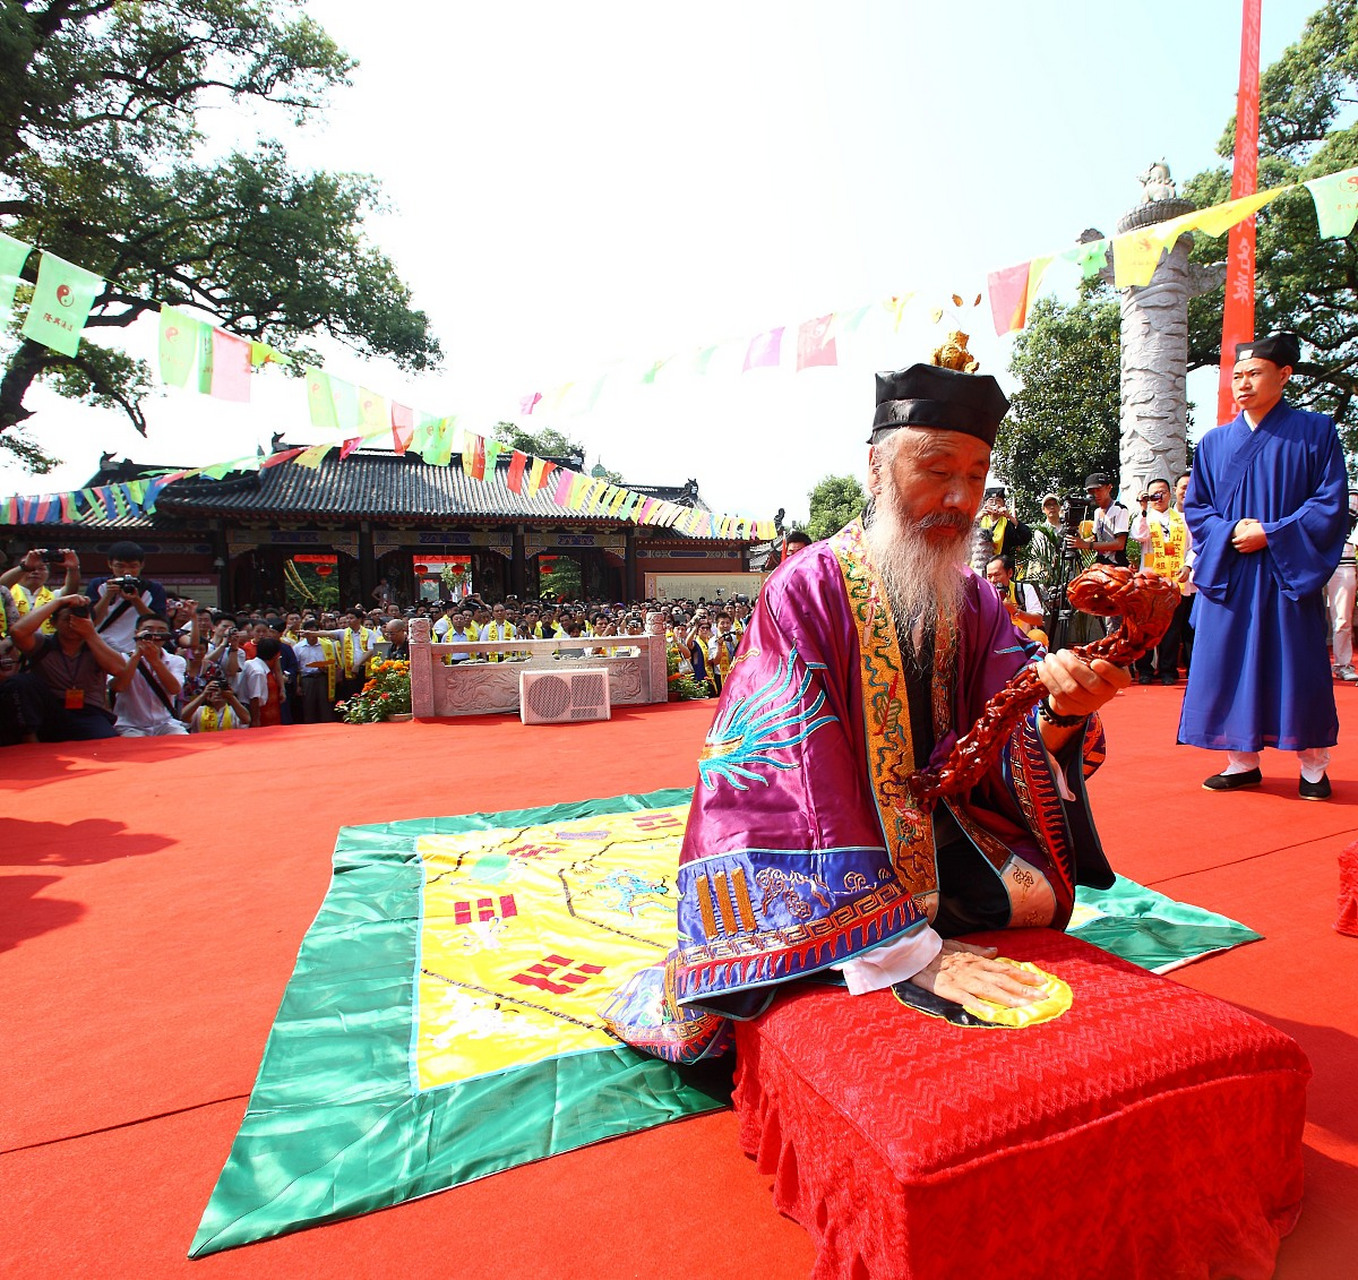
point(802, 848)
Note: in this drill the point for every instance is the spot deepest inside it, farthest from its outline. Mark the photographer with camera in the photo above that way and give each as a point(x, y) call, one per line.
point(64, 696)
point(150, 681)
point(123, 597)
point(998, 531)
point(215, 709)
point(27, 580)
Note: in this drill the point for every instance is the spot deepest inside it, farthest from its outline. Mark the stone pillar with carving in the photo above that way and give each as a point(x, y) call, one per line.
point(1154, 414)
point(421, 669)
point(657, 665)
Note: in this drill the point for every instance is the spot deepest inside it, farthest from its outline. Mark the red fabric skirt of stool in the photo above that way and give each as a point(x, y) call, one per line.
point(1150, 1131)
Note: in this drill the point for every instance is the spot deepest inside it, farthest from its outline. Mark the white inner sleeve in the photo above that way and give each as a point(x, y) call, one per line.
point(897, 961)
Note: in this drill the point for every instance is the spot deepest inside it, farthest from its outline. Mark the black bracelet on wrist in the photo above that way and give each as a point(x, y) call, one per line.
point(1044, 709)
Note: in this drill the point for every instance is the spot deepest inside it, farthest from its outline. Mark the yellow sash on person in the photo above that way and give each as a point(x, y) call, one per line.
point(331, 665)
point(4, 614)
point(25, 604)
point(506, 630)
point(348, 649)
point(209, 721)
point(1167, 545)
point(995, 528)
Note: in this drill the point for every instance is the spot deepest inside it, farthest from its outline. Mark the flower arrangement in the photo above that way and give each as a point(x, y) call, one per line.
point(682, 688)
point(385, 693)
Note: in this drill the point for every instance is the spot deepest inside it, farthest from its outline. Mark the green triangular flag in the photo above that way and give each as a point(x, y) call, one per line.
point(345, 396)
point(1091, 258)
point(13, 254)
point(61, 304)
point(1336, 199)
point(185, 350)
point(850, 322)
point(319, 400)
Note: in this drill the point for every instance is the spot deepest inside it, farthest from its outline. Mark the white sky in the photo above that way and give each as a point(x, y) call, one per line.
point(580, 187)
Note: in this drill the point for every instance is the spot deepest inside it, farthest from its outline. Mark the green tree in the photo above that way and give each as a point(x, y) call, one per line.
point(551, 443)
point(1063, 422)
point(1303, 282)
point(834, 502)
point(547, 442)
point(101, 163)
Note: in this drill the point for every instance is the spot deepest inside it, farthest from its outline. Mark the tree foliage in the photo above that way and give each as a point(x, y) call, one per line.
point(1303, 282)
point(1064, 420)
point(834, 502)
point(101, 162)
point(547, 442)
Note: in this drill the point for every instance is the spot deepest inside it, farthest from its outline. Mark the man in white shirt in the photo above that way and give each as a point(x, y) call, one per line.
point(148, 685)
point(1112, 524)
point(499, 628)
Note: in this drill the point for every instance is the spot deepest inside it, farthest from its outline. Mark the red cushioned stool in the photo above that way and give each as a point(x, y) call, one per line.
point(1150, 1131)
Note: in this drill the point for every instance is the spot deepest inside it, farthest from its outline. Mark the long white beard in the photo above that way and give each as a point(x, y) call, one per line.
point(922, 576)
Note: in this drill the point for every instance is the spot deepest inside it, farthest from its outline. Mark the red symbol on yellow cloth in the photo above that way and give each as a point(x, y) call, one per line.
point(654, 821)
point(484, 909)
point(567, 973)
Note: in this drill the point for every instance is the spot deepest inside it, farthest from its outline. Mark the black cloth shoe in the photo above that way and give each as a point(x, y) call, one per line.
point(1315, 790)
point(1168, 679)
point(1235, 781)
point(1143, 679)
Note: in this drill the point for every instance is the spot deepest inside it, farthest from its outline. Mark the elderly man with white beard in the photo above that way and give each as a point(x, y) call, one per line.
point(867, 656)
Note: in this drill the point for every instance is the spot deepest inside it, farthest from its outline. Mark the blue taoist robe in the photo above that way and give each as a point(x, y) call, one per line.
point(1260, 675)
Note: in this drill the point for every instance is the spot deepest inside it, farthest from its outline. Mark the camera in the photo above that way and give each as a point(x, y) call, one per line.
point(128, 584)
point(1076, 508)
point(53, 555)
point(79, 610)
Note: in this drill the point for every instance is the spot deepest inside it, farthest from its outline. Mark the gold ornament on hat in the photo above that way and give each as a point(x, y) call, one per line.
point(953, 354)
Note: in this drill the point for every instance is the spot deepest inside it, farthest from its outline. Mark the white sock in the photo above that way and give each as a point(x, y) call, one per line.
point(1240, 762)
point(1314, 762)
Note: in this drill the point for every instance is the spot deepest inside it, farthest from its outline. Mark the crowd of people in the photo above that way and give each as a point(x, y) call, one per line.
point(125, 658)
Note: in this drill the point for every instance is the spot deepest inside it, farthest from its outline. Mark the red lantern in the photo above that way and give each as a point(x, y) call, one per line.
point(324, 570)
point(421, 569)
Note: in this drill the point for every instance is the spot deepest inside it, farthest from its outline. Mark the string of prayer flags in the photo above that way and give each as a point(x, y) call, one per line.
point(311, 458)
point(350, 446)
point(816, 343)
point(261, 353)
point(545, 476)
point(493, 449)
point(1090, 257)
point(277, 459)
point(1009, 297)
point(402, 427)
point(231, 367)
point(185, 349)
point(319, 400)
point(333, 402)
point(61, 304)
point(372, 410)
point(13, 254)
point(517, 463)
point(439, 434)
point(474, 455)
point(1336, 200)
point(764, 351)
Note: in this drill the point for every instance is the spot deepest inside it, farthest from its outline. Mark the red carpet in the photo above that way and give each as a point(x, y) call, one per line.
point(155, 894)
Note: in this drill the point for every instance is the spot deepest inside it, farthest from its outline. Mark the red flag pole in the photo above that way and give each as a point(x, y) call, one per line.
point(1237, 319)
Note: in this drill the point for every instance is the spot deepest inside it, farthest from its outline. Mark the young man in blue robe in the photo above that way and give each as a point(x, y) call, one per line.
point(1267, 507)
